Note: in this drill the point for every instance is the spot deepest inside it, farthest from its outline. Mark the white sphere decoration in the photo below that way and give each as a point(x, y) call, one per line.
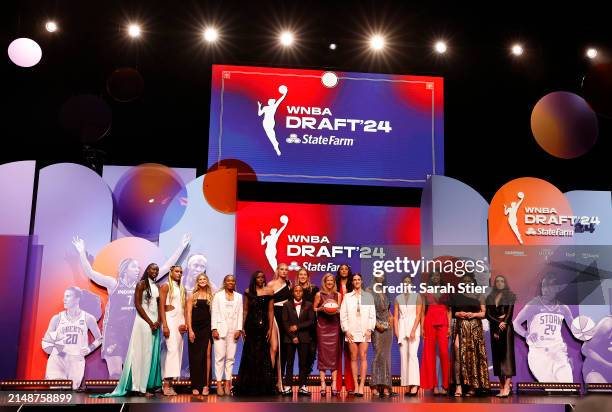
point(24, 52)
point(329, 79)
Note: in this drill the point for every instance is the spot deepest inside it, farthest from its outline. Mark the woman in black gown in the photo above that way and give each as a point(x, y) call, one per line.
point(281, 289)
point(310, 291)
point(198, 325)
point(500, 307)
point(256, 376)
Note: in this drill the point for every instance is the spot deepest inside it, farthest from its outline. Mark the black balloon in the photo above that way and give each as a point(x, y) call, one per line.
point(125, 84)
point(597, 88)
point(86, 117)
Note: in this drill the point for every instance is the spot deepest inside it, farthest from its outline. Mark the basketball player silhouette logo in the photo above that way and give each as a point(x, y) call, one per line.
point(268, 113)
point(511, 212)
point(271, 240)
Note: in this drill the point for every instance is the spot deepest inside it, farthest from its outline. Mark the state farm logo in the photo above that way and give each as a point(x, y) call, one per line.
point(293, 138)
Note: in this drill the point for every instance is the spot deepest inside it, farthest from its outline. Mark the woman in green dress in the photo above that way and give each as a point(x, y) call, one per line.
point(142, 366)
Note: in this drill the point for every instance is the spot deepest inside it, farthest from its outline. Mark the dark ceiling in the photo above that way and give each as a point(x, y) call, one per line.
point(488, 98)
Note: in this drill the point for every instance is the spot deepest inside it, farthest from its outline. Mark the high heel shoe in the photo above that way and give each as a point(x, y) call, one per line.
point(168, 391)
point(220, 391)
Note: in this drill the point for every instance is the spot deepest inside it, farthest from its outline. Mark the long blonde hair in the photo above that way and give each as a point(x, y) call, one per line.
point(206, 292)
point(276, 276)
point(324, 289)
point(171, 287)
point(306, 285)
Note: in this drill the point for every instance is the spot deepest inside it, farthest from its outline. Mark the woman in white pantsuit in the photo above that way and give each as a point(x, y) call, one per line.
point(226, 325)
point(173, 324)
point(407, 317)
point(357, 320)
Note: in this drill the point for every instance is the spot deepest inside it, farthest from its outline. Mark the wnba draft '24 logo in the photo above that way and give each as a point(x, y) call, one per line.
point(545, 221)
point(316, 249)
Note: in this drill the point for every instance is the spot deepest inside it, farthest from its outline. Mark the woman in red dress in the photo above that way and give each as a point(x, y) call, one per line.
point(435, 330)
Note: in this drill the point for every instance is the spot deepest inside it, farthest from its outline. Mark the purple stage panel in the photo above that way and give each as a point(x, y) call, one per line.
point(72, 200)
point(16, 184)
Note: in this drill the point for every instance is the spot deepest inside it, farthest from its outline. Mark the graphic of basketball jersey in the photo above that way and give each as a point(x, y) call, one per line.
point(547, 357)
point(72, 334)
point(70, 364)
point(119, 316)
point(547, 326)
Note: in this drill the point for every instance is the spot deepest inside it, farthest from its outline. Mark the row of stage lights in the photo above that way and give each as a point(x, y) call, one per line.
point(287, 39)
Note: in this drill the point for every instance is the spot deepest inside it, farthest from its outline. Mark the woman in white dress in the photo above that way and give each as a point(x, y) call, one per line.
point(226, 324)
point(173, 326)
point(357, 320)
point(142, 369)
point(407, 318)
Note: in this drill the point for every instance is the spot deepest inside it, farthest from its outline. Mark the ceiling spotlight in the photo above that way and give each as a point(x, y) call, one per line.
point(517, 50)
point(211, 35)
point(332, 46)
point(134, 30)
point(377, 42)
point(51, 26)
point(286, 38)
point(440, 47)
point(591, 53)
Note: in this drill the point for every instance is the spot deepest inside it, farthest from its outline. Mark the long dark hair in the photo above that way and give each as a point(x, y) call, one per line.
point(145, 277)
point(252, 290)
point(430, 282)
point(508, 297)
point(440, 299)
point(349, 279)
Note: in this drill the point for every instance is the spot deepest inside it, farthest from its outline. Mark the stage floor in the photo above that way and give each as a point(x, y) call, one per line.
point(83, 398)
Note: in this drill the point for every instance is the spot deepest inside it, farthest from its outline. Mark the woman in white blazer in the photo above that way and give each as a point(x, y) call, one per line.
point(407, 317)
point(226, 325)
point(357, 320)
